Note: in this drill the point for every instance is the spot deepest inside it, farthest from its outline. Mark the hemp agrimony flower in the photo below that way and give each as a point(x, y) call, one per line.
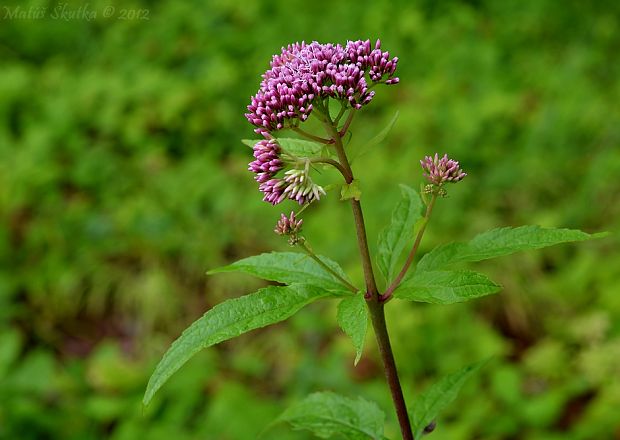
point(303, 81)
point(441, 170)
point(295, 185)
point(302, 77)
point(289, 226)
point(304, 73)
point(268, 162)
point(300, 187)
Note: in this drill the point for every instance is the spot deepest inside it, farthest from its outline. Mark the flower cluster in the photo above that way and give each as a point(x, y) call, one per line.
point(290, 226)
point(441, 170)
point(295, 185)
point(304, 72)
point(267, 160)
point(300, 187)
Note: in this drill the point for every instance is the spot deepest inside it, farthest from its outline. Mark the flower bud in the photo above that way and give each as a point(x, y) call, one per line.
point(291, 227)
point(288, 225)
point(441, 170)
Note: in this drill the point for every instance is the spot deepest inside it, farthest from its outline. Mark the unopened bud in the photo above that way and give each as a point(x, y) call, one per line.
point(290, 226)
point(441, 170)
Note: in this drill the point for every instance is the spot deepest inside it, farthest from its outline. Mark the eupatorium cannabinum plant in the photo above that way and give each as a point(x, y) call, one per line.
point(333, 83)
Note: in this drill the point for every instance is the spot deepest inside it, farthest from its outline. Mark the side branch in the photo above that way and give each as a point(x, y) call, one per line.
point(312, 137)
point(347, 123)
point(335, 164)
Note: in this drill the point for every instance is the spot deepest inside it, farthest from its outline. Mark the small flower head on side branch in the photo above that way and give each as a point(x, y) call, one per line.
point(441, 170)
point(290, 226)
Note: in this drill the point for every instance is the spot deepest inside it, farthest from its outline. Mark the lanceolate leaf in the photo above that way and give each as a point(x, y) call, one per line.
point(249, 142)
point(327, 414)
point(445, 287)
point(296, 147)
point(399, 234)
point(428, 405)
point(379, 137)
point(353, 319)
point(228, 320)
point(289, 268)
point(499, 242)
point(300, 147)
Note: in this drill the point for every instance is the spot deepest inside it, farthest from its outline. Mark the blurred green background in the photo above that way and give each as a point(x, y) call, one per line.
point(122, 180)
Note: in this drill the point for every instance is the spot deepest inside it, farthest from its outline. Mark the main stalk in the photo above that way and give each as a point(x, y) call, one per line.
point(373, 299)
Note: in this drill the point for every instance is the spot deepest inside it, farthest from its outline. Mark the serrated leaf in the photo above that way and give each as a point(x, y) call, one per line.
point(445, 287)
point(353, 320)
point(290, 268)
point(500, 242)
point(428, 405)
point(301, 147)
point(350, 191)
point(228, 320)
point(326, 414)
point(398, 235)
point(377, 139)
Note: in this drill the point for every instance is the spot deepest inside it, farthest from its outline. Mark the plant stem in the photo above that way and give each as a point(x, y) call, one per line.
point(377, 317)
point(390, 290)
point(375, 306)
point(312, 255)
point(347, 123)
point(311, 136)
point(371, 286)
point(332, 162)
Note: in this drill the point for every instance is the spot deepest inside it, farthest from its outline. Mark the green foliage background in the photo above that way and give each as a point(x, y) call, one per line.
point(122, 180)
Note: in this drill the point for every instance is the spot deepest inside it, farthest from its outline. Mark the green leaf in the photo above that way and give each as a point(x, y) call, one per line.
point(289, 268)
point(500, 242)
point(300, 147)
point(445, 287)
point(249, 142)
point(377, 139)
point(398, 235)
point(326, 414)
point(353, 320)
point(428, 405)
point(228, 320)
point(350, 191)
point(296, 147)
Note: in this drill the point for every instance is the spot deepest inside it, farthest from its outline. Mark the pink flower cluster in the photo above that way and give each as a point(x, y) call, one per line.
point(304, 72)
point(441, 170)
point(288, 225)
point(295, 185)
point(267, 160)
